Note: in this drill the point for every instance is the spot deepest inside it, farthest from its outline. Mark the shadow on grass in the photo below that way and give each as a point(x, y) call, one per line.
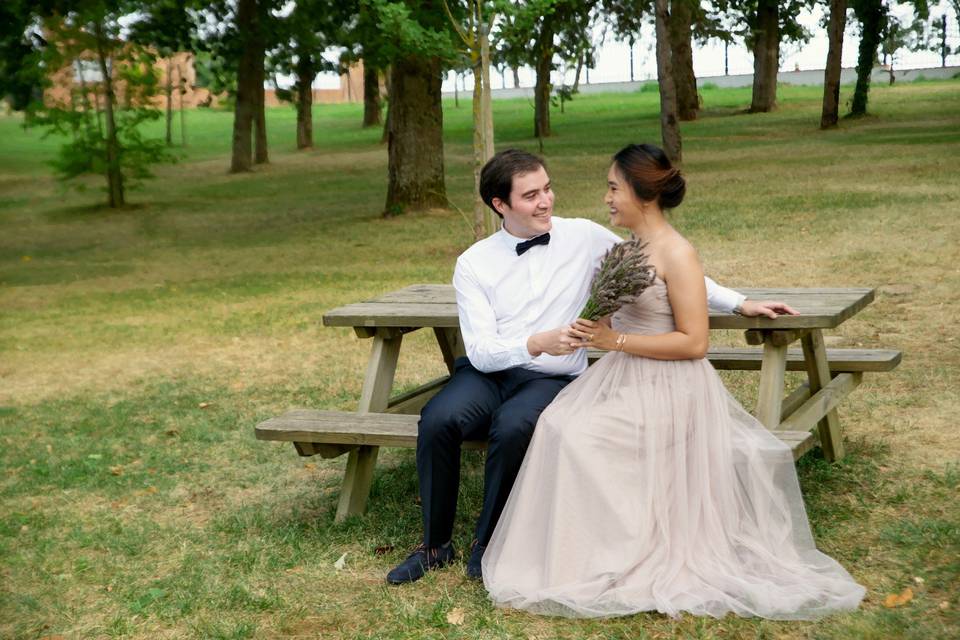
point(92, 212)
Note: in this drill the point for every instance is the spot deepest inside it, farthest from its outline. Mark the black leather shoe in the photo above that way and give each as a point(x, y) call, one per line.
point(419, 562)
point(474, 570)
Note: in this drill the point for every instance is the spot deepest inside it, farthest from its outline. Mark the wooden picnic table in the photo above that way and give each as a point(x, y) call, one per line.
point(388, 317)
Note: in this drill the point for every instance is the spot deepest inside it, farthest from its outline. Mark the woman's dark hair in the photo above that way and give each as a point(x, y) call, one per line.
point(651, 175)
point(496, 177)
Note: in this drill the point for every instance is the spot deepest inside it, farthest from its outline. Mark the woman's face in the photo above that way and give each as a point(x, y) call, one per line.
point(625, 207)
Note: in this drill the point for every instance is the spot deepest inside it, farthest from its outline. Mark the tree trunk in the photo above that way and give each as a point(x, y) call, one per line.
point(669, 128)
point(484, 220)
point(516, 78)
point(766, 56)
point(305, 74)
point(89, 109)
point(831, 74)
point(415, 146)
point(260, 155)
point(541, 93)
point(371, 96)
point(169, 91)
point(681, 18)
point(114, 174)
point(386, 120)
point(244, 105)
point(870, 13)
point(576, 76)
point(181, 83)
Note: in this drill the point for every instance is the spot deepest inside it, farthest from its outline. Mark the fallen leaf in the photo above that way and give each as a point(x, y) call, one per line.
point(456, 616)
point(151, 489)
point(204, 405)
point(49, 448)
point(309, 465)
point(117, 470)
point(379, 551)
point(898, 600)
point(109, 588)
point(341, 563)
point(24, 528)
point(944, 605)
point(918, 579)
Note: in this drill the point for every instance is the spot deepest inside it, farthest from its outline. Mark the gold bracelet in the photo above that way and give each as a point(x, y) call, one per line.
point(621, 339)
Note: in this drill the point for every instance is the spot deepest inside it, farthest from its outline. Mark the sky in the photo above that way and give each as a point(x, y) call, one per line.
point(613, 59)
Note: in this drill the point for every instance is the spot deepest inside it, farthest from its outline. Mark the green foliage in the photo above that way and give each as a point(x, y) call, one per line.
point(165, 24)
point(21, 78)
point(411, 28)
point(302, 36)
point(570, 22)
point(214, 72)
point(100, 112)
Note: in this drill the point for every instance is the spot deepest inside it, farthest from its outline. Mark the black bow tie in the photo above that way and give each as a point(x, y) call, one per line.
point(523, 246)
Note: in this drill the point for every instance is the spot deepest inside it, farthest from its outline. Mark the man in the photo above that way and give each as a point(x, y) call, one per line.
point(518, 291)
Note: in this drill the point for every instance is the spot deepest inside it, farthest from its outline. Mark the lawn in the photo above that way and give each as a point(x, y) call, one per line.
point(138, 349)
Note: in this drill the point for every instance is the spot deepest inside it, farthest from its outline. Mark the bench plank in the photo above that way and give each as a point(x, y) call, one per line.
point(822, 403)
point(840, 360)
point(396, 430)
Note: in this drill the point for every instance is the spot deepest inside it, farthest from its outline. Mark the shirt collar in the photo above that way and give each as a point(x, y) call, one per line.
point(511, 240)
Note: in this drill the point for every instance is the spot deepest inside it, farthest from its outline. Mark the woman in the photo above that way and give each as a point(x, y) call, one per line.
point(647, 487)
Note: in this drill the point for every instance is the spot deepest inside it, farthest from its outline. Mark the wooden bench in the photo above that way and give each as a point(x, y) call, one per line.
point(333, 433)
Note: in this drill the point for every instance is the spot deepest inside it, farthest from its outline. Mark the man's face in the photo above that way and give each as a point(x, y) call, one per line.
point(530, 208)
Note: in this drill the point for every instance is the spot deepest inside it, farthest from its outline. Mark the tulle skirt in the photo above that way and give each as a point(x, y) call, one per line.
point(647, 487)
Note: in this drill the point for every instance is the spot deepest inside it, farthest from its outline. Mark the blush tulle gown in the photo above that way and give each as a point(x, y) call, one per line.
point(647, 487)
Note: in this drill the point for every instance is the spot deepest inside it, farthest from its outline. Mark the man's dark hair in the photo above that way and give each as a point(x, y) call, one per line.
point(496, 177)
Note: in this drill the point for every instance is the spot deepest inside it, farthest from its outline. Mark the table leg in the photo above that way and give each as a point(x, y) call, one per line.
point(451, 344)
point(818, 373)
point(772, 370)
point(374, 397)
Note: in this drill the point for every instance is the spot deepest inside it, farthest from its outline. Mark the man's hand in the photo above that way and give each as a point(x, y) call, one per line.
point(556, 342)
point(769, 308)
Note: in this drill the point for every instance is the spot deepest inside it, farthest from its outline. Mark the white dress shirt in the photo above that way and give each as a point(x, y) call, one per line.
point(503, 298)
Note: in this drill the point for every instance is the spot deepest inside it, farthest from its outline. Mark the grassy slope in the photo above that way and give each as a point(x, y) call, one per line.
point(129, 510)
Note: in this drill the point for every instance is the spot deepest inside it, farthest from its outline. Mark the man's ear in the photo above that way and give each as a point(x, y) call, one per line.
point(498, 204)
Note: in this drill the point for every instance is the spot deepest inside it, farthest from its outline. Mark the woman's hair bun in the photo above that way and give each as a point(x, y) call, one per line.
point(671, 195)
point(651, 174)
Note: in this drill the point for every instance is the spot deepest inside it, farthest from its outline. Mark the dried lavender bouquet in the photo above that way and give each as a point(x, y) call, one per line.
point(624, 274)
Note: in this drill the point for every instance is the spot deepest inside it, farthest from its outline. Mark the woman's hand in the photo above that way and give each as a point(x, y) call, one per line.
point(593, 334)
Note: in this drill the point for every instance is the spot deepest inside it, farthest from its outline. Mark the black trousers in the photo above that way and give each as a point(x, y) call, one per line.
point(501, 407)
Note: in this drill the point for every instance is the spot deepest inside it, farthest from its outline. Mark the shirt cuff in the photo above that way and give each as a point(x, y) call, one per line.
point(519, 354)
point(725, 300)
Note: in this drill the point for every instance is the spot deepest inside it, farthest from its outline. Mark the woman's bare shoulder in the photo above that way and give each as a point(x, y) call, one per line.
point(676, 252)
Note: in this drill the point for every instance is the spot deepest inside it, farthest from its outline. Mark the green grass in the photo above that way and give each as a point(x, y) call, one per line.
point(139, 348)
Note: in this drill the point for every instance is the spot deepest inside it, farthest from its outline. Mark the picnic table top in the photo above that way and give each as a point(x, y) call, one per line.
point(434, 305)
